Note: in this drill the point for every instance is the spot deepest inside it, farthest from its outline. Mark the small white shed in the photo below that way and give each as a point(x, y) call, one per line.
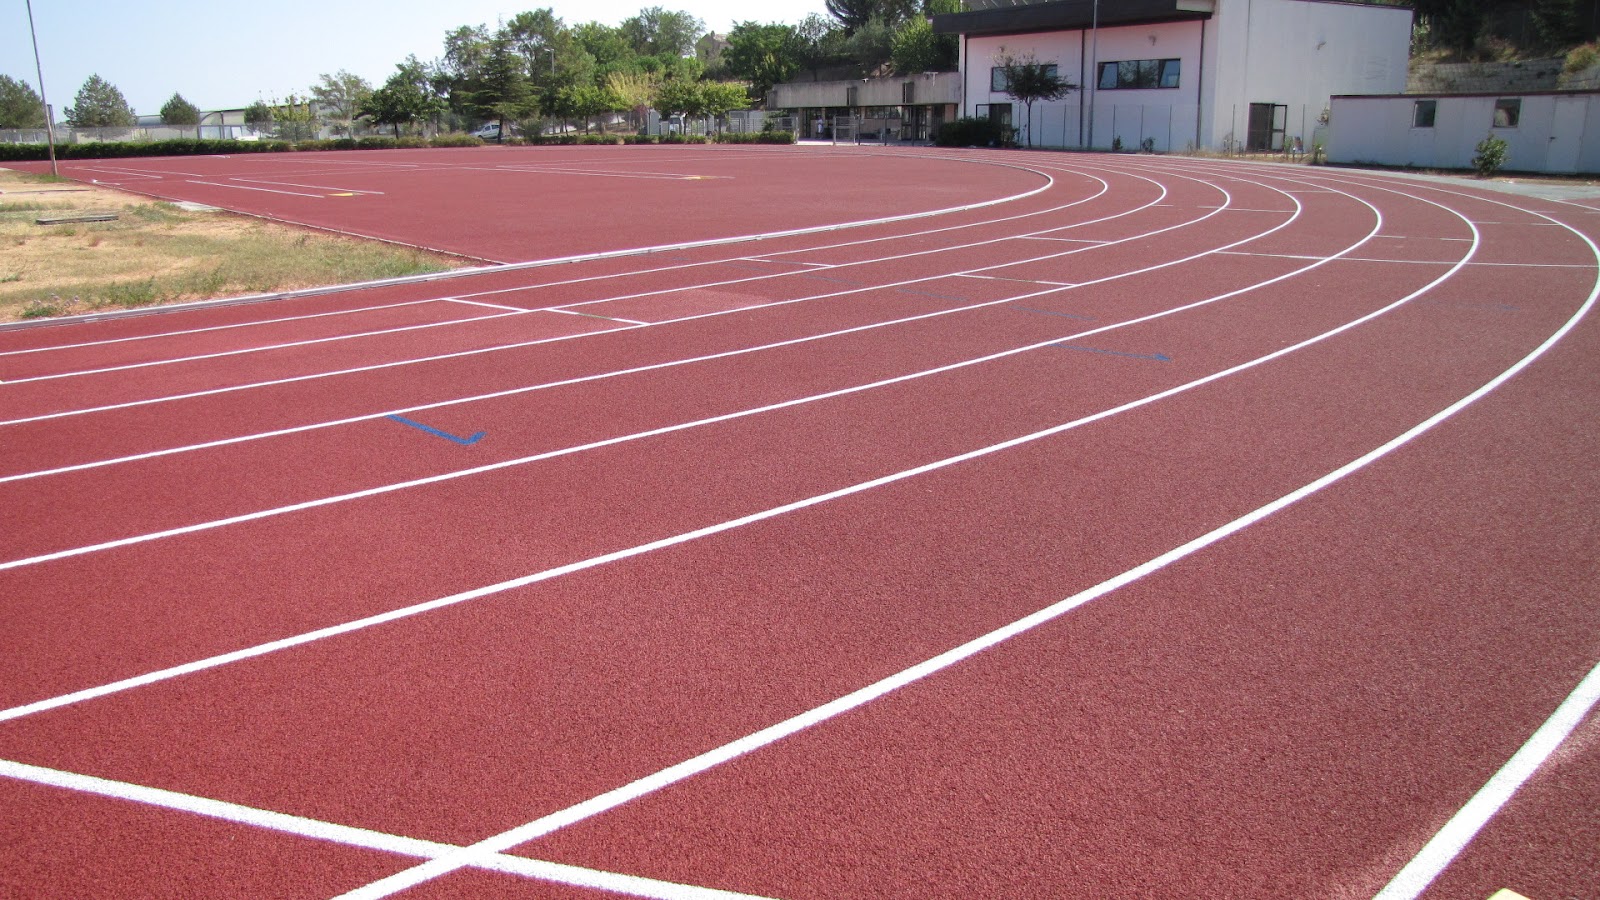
point(1554, 132)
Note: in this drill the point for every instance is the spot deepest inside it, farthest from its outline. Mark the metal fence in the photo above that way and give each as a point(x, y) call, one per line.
point(1166, 129)
point(145, 133)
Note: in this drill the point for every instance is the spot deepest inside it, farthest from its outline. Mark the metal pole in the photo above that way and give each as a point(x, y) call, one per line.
point(1094, 66)
point(49, 126)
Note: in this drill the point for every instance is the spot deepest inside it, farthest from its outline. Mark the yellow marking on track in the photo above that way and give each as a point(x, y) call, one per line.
point(345, 194)
point(1506, 894)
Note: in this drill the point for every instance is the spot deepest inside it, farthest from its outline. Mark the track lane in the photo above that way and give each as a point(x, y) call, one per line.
point(1453, 310)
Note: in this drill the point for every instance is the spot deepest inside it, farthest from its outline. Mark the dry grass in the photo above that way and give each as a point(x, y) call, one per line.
point(159, 253)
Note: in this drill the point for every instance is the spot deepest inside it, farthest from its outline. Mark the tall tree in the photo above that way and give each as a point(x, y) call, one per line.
point(20, 107)
point(178, 111)
point(1028, 81)
point(294, 119)
point(406, 98)
point(339, 98)
point(660, 32)
point(915, 47)
point(763, 55)
point(99, 104)
point(636, 91)
point(258, 116)
point(1454, 24)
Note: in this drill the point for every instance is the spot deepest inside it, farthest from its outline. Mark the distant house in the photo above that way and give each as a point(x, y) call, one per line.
point(1175, 74)
point(902, 107)
point(1545, 131)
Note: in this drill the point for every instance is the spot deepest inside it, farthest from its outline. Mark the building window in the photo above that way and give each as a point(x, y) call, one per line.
point(1139, 74)
point(998, 113)
point(997, 77)
point(1507, 112)
point(1422, 113)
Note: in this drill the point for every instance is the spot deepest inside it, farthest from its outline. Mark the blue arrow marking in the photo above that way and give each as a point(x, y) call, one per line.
point(1159, 357)
point(437, 433)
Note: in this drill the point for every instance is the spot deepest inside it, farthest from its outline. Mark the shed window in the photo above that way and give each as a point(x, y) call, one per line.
point(1422, 113)
point(1507, 112)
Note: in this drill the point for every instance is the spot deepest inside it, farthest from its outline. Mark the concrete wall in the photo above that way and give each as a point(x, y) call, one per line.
point(1556, 133)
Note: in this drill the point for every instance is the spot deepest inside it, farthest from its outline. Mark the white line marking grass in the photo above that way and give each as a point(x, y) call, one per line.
point(348, 836)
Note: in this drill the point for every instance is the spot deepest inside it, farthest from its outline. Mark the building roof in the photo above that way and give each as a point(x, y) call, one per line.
point(1071, 15)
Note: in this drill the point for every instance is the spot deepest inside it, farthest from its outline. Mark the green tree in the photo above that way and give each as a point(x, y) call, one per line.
point(1453, 24)
point(294, 119)
point(722, 97)
point(916, 48)
point(660, 32)
point(407, 98)
point(635, 91)
point(20, 107)
point(763, 55)
point(339, 98)
point(258, 116)
point(870, 47)
point(504, 92)
point(1028, 81)
point(99, 104)
point(178, 111)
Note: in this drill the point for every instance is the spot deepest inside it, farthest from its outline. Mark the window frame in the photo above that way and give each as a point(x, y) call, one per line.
point(998, 83)
point(1507, 112)
point(1417, 107)
point(1140, 74)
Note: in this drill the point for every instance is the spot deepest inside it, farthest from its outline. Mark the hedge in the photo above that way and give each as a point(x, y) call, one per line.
point(193, 147)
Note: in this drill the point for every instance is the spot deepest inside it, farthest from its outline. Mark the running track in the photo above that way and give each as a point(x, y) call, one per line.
point(1094, 526)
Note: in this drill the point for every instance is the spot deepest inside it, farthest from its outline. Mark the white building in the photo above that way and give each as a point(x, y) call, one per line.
point(1544, 131)
point(1175, 74)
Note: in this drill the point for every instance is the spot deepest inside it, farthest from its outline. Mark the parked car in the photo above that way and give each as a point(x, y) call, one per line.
point(491, 131)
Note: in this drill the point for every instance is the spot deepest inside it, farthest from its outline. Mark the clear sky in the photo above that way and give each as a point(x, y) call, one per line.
point(222, 54)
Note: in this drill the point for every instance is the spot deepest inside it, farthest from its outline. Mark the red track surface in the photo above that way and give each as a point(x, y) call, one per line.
point(1149, 535)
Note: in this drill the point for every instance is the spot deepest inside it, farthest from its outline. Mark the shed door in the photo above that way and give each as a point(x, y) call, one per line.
point(1566, 134)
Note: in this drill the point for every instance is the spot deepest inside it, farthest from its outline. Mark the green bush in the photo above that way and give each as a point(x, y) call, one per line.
point(641, 139)
point(456, 140)
point(685, 139)
point(1492, 154)
point(975, 132)
point(598, 139)
point(124, 149)
point(755, 137)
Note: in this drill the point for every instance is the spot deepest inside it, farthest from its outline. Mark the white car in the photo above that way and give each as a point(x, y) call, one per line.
point(491, 131)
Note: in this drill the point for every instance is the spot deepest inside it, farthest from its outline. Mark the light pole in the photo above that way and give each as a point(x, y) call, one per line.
point(1094, 67)
point(49, 126)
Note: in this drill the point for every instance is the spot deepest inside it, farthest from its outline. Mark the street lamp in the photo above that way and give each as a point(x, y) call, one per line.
point(49, 126)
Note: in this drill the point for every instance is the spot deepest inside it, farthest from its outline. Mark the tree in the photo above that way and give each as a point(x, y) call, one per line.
point(1027, 80)
point(915, 46)
point(99, 104)
point(406, 98)
point(20, 107)
point(1453, 24)
point(659, 32)
point(294, 119)
point(763, 55)
point(722, 97)
point(258, 116)
point(635, 91)
point(179, 111)
point(339, 99)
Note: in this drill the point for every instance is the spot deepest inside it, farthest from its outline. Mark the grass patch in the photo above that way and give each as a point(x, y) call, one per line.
point(159, 253)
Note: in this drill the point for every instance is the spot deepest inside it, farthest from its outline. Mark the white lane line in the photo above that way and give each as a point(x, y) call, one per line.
point(1018, 280)
point(314, 187)
point(1447, 844)
point(244, 187)
point(250, 324)
point(696, 534)
point(349, 836)
point(488, 305)
point(724, 354)
point(524, 344)
point(221, 354)
point(573, 312)
point(598, 376)
point(757, 740)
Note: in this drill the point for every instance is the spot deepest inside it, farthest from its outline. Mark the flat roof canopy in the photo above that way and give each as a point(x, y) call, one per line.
point(1071, 15)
